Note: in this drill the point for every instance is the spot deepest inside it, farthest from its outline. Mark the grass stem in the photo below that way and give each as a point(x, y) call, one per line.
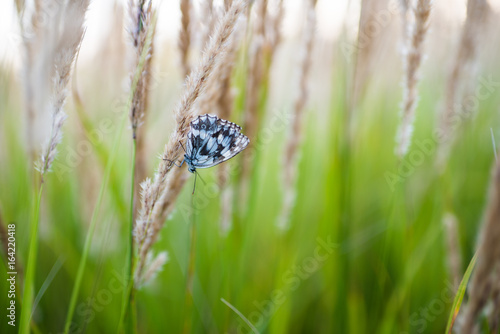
point(30, 270)
point(128, 302)
point(188, 301)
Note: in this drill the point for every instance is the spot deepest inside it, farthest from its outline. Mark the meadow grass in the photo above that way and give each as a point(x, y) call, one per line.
point(365, 249)
point(390, 263)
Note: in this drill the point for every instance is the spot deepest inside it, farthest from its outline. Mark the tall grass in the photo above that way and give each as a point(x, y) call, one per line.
point(58, 49)
point(159, 192)
point(375, 242)
point(292, 151)
point(462, 71)
point(413, 58)
point(142, 31)
point(485, 276)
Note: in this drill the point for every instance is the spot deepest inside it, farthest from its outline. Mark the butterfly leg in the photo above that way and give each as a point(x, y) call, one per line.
point(172, 162)
point(182, 146)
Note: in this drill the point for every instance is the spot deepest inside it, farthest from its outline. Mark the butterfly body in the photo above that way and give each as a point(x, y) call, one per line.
point(212, 140)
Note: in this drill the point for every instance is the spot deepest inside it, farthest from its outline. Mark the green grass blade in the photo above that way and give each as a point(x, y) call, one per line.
point(50, 278)
point(252, 327)
point(30, 270)
point(126, 302)
point(457, 302)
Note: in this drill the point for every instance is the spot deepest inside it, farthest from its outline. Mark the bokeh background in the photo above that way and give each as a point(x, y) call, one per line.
point(375, 243)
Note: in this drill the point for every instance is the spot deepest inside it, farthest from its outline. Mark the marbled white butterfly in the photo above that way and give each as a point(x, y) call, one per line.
point(212, 140)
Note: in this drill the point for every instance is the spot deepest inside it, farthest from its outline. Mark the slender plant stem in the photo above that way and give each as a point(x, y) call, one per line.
point(129, 298)
point(131, 221)
point(132, 311)
point(128, 303)
point(93, 224)
point(30, 270)
point(188, 301)
point(130, 289)
point(132, 328)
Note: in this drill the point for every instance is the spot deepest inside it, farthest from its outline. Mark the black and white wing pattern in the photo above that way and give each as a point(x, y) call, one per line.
point(212, 140)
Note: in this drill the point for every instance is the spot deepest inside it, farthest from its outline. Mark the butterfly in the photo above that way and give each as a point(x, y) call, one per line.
point(212, 140)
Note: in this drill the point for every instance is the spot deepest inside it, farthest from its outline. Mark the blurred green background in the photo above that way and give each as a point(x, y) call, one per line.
point(366, 251)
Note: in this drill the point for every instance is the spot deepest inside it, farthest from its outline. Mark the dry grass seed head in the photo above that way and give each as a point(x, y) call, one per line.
point(67, 45)
point(412, 61)
point(185, 111)
point(142, 27)
point(154, 266)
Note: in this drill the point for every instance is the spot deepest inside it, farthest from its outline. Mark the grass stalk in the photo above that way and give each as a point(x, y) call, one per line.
point(128, 298)
point(292, 149)
point(185, 36)
point(62, 55)
point(488, 253)
point(461, 73)
point(188, 300)
point(30, 269)
point(128, 301)
point(459, 296)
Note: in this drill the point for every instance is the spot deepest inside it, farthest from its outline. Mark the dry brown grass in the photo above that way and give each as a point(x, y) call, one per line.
point(255, 69)
point(412, 60)
point(366, 51)
point(405, 8)
point(225, 104)
point(142, 32)
point(141, 15)
point(494, 314)
point(209, 17)
point(255, 76)
point(264, 42)
point(217, 98)
point(185, 35)
point(275, 26)
point(165, 187)
point(485, 275)
point(461, 71)
point(292, 150)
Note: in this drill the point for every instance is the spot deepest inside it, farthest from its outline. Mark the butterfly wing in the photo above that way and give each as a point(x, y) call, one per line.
point(198, 133)
point(213, 140)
